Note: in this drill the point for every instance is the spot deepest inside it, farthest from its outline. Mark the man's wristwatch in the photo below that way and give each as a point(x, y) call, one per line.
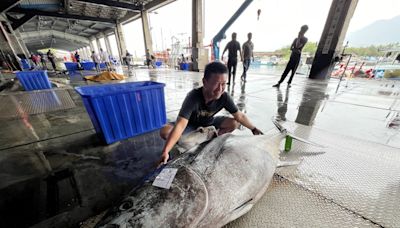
point(252, 130)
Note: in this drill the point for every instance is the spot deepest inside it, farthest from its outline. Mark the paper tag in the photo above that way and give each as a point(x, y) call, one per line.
point(165, 178)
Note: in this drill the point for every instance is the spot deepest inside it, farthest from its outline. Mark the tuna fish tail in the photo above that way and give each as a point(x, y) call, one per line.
point(279, 126)
point(285, 132)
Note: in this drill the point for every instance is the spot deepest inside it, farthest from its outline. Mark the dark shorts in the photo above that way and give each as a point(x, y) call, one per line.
point(217, 121)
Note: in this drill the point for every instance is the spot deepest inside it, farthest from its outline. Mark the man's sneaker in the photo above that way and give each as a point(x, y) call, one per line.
point(276, 85)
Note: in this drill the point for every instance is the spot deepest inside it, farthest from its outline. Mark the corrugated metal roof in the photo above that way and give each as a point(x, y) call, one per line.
point(46, 5)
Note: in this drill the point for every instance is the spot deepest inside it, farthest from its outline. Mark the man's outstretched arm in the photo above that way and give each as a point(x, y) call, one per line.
point(242, 119)
point(173, 137)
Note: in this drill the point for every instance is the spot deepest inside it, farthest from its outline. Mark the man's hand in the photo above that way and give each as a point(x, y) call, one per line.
point(256, 131)
point(163, 160)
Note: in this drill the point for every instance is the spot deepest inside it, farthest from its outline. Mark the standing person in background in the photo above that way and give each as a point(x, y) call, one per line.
point(105, 58)
point(96, 59)
point(233, 47)
point(43, 61)
point(128, 59)
point(152, 61)
point(51, 58)
point(296, 48)
point(148, 59)
point(78, 58)
point(247, 48)
point(34, 60)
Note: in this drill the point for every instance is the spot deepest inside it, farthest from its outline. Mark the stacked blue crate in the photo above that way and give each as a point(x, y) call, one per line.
point(88, 65)
point(71, 67)
point(25, 64)
point(34, 80)
point(122, 110)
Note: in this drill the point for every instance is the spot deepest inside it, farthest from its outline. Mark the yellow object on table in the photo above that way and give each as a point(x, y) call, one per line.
point(105, 76)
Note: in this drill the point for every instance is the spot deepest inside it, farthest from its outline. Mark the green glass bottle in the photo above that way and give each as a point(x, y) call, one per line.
point(288, 143)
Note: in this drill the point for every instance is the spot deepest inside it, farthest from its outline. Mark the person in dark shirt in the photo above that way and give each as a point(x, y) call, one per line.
point(294, 60)
point(77, 57)
point(51, 58)
point(42, 60)
point(247, 48)
point(201, 105)
point(233, 47)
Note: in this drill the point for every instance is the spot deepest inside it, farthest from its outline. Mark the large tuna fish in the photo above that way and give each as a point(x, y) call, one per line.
point(216, 182)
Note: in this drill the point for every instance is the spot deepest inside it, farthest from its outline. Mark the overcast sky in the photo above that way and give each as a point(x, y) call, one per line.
point(278, 25)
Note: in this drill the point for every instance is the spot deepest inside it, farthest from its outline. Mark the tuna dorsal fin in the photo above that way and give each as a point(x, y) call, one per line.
point(284, 131)
point(304, 140)
point(288, 163)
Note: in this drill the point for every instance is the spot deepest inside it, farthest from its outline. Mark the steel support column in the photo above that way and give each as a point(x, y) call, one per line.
point(119, 35)
point(148, 43)
point(108, 45)
point(332, 37)
point(199, 54)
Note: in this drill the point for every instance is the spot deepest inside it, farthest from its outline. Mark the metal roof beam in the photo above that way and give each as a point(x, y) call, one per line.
point(52, 33)
point(8, 4)
point(59, 15)
point(16, 23)
point(121, 5)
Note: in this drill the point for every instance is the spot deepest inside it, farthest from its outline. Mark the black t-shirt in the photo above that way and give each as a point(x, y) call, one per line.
point(298, 44)
point(199, 113)
point(233, 47)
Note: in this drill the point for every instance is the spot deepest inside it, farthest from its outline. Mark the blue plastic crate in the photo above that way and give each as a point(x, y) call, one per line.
point(184, 66)
point(103, 66)
point(88, 65)
point(158, 63)
point(71, 67)
point(34, 80)
point(25, 64)
point(119, 111)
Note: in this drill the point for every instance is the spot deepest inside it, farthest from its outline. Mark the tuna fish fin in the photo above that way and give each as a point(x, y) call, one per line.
point(288, 163)
point(285, 131)
point(279, 126)
point(239, 211)
point(303, 140)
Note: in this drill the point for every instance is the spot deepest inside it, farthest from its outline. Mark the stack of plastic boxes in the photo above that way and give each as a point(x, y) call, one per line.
point(119, 111)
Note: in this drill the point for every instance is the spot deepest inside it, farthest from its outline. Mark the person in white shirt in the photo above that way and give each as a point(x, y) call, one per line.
point(96, 59)
point(105, 58)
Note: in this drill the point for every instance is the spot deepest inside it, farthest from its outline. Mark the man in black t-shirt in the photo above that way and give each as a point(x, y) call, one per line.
point(201, 105)
point(296, 48)
point(233, 47)
point(247, 49)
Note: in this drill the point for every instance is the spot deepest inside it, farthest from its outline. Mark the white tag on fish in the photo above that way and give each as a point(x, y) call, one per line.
point(165, 177)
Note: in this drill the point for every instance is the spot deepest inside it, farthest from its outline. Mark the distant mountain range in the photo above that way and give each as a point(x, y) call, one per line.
point(379, 32)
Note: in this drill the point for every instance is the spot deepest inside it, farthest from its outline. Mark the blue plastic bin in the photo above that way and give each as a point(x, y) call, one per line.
point(25, 64)
point(71, 67)
point(158, 63)
point(34, 80)
point(184, 66)
point(119, 111)
point(88, 65)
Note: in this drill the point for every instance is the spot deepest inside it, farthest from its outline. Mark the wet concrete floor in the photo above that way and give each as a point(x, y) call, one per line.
point(56, 172)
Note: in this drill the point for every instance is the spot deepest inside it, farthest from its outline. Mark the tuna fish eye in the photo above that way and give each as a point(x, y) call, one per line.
point(126, 205)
